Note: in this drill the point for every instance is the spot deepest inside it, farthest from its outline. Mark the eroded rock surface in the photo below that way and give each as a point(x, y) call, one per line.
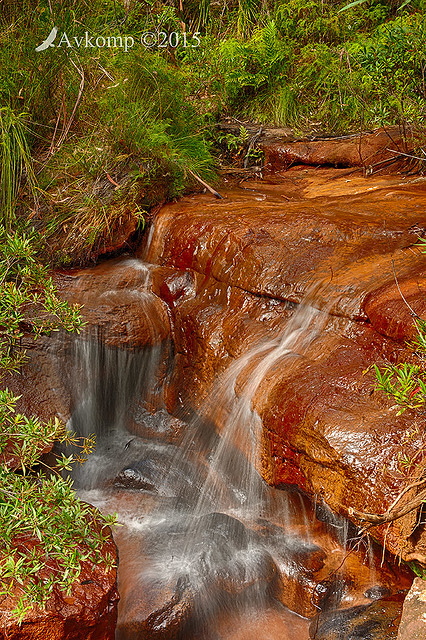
point(231, 276)
point(117, 302)
point(413, 622)
point(369, 149)
point(377, 621)
point(248, 259)
point(88, 612)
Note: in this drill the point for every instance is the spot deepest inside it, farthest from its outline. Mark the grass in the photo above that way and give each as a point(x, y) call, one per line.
point(15, 158)
point(147, 117)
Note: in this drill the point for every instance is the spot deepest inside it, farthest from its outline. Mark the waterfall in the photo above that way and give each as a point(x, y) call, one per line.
point(202, 538)
point(242, 429)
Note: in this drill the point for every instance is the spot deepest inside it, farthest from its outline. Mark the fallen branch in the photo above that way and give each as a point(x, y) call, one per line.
point(207, 186)
point(407, 155)
point(117, 186)
point(391, 514)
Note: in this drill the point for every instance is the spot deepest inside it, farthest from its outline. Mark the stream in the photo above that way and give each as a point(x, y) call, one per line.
point(207, 549)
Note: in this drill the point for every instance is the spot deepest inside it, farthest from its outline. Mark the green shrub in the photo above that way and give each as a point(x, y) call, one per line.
point(46, 533)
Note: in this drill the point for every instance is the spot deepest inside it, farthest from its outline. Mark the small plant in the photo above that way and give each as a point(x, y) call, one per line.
point(46, 533)
point(28, 299)
point(15, 157)
point(405, 383)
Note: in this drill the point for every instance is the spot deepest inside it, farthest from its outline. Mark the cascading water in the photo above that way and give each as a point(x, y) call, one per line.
point(223, 542)
point(207, 550)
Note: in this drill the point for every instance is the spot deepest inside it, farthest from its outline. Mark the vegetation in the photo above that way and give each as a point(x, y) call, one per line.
point(309, 65)
point(405, 382)
point(46, 533)
point(119, 114)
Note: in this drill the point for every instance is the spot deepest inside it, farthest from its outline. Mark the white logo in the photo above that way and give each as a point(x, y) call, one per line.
point(149, 39)
point(49, 40)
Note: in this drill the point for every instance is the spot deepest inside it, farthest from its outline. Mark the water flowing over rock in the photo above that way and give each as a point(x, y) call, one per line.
point(242, 349)
point(374, 621)
point(264, 247)
point(117, 301)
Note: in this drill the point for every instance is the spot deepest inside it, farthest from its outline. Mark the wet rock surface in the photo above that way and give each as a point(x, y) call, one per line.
point(88, 612)
point(117, 303)
point(413, 623)
point(377, 621)
point(367, 150)
point(387, 315)
point(264, 248)
point(228, 280)
point(222, 567)
point(182, 574)
point(268, 245)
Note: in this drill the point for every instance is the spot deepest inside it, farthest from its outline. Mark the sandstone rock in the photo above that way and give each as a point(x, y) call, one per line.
point(280, 249)
point(39, 381)
point(118, 303)
point(377, 592)
point(89, 612)
point(325, 428)
point(156, 614)
point(232, 274)
point(158, 425)
point(377, 621)
point(413, 621)
point(349, 151)
point(219, 566)
point(119, 310)
point(393, 308)
point(161, 468)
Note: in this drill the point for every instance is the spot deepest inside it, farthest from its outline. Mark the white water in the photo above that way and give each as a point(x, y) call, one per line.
point(242, 428)
point(201, 522)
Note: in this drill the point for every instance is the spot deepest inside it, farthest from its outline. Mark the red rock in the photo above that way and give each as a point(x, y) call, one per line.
point(325, 428)
point(375, 621)
point(267, 246)
point(348, 151)
point(88, 613)
point(393, 308)
point(117, 302)
point(227, 271)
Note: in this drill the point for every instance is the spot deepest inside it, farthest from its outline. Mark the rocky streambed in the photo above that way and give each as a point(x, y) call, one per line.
point(299, 282)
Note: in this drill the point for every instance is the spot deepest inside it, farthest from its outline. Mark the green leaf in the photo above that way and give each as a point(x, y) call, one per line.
point(351, 4)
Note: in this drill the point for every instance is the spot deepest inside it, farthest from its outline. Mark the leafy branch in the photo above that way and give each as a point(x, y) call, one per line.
point(405, 383)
